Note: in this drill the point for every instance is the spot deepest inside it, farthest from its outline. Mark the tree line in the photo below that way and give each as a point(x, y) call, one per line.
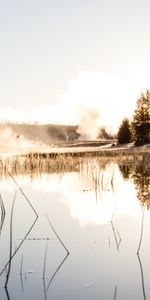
point(137, 130)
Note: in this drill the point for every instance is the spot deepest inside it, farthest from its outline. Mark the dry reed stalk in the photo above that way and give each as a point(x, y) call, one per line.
point(11, 238)
point(141, 234)
point(18, 247)
point(51, 279)
point(57, 235)
point(44, 265)
point(3, 213)
point(142, 276)
point(20, 189)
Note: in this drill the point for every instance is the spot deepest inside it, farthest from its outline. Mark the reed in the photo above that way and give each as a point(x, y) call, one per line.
point(58, 268)
point(44, 271)
point(115, 293)
point(58, 237)
point(67, 253)
point(19, 246)
point(44, 265)
point(10, 246)
point(21, 265)
point(142, 277)
point(20, 189)
point(142, 227)
point(3, 213)
point(37, 163)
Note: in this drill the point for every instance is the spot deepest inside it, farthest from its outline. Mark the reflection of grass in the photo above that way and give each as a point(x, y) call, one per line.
point(3, 213)
point(142, 226)
point(115, 293)
point(138, 254)
point(20, 189)
point(18, 247)
point(58, 268)
point(10, 246)
point(67, 254)
point(38, 163)
point(142, 276)
point(91, 165)
point(58, 237)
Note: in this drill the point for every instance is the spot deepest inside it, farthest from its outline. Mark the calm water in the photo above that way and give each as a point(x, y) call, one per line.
point(84, 242)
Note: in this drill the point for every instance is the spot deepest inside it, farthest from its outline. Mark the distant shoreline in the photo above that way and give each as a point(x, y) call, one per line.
point(77, 150)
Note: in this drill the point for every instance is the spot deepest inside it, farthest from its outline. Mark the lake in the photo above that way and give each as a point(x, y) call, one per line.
point(76, 233)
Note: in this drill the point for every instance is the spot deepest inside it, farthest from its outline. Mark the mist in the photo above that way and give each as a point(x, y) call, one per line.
point(20, 136)
point(9, 139)
point(93, 100)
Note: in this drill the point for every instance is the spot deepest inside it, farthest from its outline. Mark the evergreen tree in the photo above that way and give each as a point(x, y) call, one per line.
point(124, 132)
point(141, 119)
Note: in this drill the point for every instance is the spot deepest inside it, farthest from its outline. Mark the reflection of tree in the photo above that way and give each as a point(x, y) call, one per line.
point(125, 170)
point(139, 171)
point(141, 177)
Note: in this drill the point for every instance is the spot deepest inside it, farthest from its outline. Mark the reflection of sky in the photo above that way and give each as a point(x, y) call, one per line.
point(83, 206)
point(95, 265)
point(91, 207)
point(87, 203)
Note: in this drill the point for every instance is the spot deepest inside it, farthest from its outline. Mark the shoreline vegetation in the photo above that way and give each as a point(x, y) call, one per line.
point(78, 148)
point(41, 150)
point(36, 161)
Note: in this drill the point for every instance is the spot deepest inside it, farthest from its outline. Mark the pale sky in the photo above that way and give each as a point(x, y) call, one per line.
point(61, 57)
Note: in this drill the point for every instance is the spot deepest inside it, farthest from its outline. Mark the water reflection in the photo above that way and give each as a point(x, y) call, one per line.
point(101, 213)
point(12, 251)
point(142, 276)
point(125, 170)
point(2, 212)
point(141, 176)
point(7, 293)
point(140, 172)
point(115, 293)
point(109, 202)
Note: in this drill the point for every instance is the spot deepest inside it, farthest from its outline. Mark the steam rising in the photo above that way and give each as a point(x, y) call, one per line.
point(89, 124)
point(9, 139)
point(93, 100)
point(20, 136)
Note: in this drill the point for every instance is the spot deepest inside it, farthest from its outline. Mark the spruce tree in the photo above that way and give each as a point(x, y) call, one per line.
point(124, 132)
point(141, 119)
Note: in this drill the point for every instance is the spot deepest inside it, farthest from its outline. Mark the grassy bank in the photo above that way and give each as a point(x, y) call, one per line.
point(71, 159)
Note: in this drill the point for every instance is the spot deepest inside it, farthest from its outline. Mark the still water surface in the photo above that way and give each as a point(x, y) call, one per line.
point(89, 241)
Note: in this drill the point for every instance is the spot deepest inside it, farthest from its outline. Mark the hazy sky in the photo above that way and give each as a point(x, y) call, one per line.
point(59, 57)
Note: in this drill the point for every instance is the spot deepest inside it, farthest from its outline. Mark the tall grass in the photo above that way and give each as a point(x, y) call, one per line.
point(37, 163)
